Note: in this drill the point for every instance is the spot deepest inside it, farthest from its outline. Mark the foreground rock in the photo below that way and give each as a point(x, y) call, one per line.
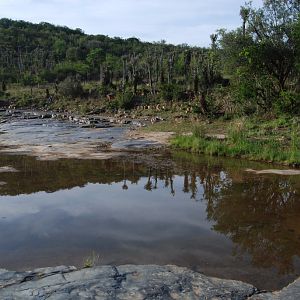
point(291, 292)
point(123, 282)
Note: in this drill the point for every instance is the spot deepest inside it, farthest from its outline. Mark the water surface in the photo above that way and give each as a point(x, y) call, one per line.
point(206, 214)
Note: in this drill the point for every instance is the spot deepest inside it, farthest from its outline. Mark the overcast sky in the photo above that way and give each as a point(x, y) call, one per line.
point(176, 21)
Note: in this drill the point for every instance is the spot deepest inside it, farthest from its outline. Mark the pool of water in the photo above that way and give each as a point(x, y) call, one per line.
point(167, 208)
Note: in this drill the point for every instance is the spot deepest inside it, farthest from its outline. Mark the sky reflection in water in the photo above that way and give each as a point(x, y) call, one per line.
point(209, 215)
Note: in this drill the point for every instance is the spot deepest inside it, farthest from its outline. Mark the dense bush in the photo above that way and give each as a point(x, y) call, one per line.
point(125, 100)
point(287, 102)
point(70, 88)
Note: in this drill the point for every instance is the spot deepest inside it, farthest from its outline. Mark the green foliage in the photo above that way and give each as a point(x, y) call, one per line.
point(288, 101)
point(196, 109)
point(260, 57)
point(60, 48)
point(3, 86)
point(296, 36)
point(70, 88)
point(125, 100)
point(167, 92)
point(25, 101)
point(66, 69)
point(91, 261)
point(199, 131)
point(170, 92)
point(48, 76)
point(28, 79)
point(95, 57)
point(243, 141)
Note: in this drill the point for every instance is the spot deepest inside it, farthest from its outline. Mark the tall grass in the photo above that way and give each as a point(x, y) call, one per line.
point(240, 143)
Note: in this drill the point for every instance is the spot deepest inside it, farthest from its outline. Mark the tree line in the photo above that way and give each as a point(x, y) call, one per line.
point(254, 68)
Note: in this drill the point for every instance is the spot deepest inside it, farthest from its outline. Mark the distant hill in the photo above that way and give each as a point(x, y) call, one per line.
point(45, 52)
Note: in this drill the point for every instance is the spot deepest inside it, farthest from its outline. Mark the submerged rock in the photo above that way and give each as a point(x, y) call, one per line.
point(275, 171)
point(123, 282)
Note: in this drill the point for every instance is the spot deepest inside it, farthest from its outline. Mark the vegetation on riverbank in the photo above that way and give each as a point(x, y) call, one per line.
point(248, 74)
point(273, 141)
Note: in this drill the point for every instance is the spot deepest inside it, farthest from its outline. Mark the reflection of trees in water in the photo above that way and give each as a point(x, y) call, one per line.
point(261, 214)
point(149, 185)
point(155, 175)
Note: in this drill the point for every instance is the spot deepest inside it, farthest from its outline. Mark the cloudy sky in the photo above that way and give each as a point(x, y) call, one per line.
point(176, 21)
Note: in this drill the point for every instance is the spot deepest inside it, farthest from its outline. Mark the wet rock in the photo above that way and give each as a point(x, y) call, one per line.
point(8, 169)
point(126, 121)
point(102, 126)
point(8, 114)
point(30, 116)
point(11, 278)
point(156, 120)
point(138, 124)
point(46, 116)
point(291, 292)
point(124, 282)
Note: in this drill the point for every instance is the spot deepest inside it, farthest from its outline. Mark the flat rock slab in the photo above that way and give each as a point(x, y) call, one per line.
point(123, 282)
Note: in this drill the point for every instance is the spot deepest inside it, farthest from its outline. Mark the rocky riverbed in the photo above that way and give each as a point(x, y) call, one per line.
point(130, 282)
point(52, 136)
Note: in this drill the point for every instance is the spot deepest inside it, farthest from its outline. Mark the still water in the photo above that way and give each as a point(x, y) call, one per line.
point(207, 214)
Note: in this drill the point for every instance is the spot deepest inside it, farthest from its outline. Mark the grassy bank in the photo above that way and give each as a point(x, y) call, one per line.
point(277, 140)
point(265, 138)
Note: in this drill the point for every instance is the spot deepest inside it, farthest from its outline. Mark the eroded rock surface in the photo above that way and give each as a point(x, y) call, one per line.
point(53, 138)
point(123, 282)
point(291, 292)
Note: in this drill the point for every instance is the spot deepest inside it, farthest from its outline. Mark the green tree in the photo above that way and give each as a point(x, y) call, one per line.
point(260, 58)
point(60, 48)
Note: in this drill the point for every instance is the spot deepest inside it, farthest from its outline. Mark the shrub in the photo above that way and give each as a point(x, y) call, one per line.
point(125, 100)
point(70, 88)
point(170, 92)
point(288, 102)
point(199, 131)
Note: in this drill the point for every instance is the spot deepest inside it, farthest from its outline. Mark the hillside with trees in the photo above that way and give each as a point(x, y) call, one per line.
point(253, 69)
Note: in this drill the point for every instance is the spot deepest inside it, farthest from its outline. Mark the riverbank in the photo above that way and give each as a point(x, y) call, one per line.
point(276, 140)
point(130, 282)
point(54, 135)
point(266, 139)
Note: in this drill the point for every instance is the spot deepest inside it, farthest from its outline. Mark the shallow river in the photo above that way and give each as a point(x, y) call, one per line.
point(159, 208)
